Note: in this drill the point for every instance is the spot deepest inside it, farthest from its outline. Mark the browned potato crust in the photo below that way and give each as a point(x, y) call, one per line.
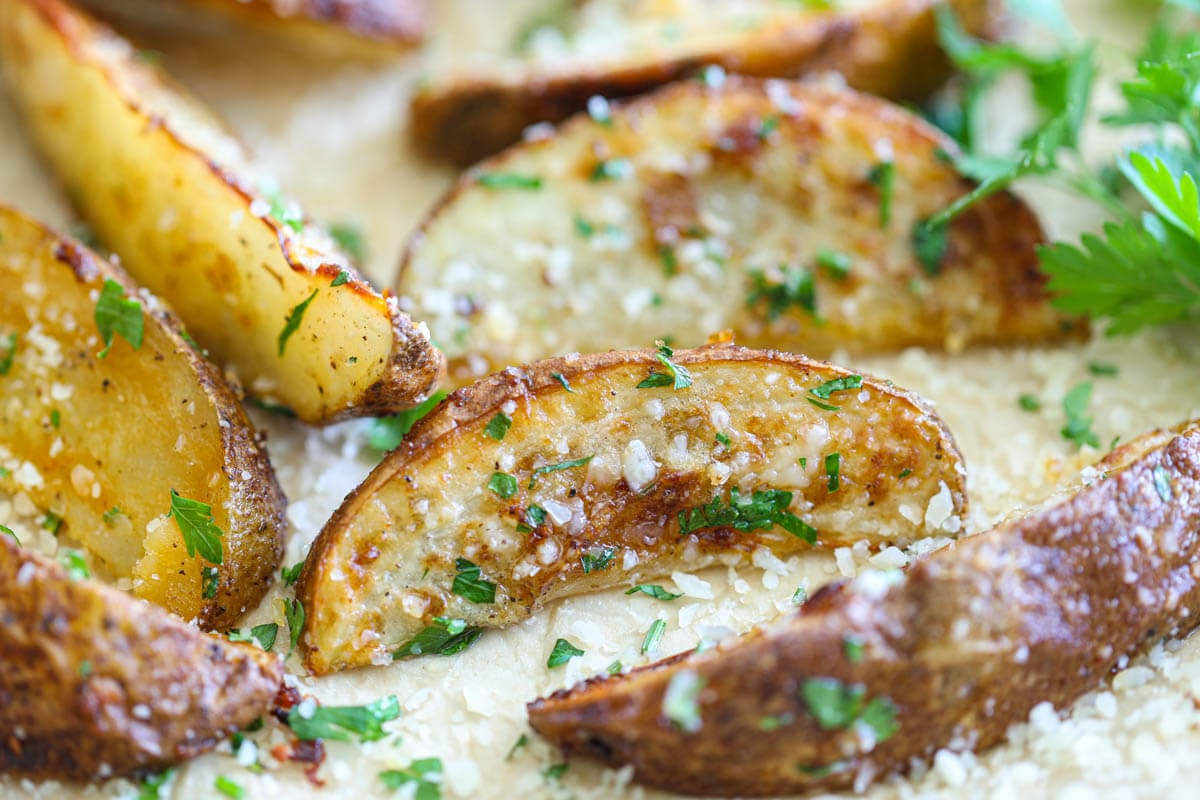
point(96, 684)
point(729, 201)
point(888, 47)
point(611, 467)
point(194, 221)
point(123, 431)
point(977, 634)
point(347, 28)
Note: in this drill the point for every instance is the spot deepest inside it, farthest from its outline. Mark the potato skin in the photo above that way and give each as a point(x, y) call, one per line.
point(383, 567)
point(726, 184)
point(96, 684)
point(889, 49)
point(121, 425)
point(123, 139)
point(1039, 609)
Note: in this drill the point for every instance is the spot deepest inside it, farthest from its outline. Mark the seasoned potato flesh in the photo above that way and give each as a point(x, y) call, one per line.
point(164, 186)
point(783, 211)
point(490, 83)
point(100, 443)
point(1039, 610)
point(585, 487)
point(98, 684)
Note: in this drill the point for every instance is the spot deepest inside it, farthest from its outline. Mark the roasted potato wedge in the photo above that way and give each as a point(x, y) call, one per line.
point(349, 28)
point(101, 442)
point(784, 211)
point(875, 673)
point(566, 52)
point(587, 472)
point(166, 188)
point(96, 684)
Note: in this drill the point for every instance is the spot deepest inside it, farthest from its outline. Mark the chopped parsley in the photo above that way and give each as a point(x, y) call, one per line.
point(342, 723)
point(597, 558)
point(521, 743)
point(349, 238)
point(532, 519)
point(558, 376)
point(154, 785)
point(469, 584)
point(51, 522)
point(555, 772)
point(800, 596)
point(582, 226)
point(341, 279)
point(843, 384)
point(681, 701)
point(835, 263)
point(853, 648)
point(931, 241)
point(111, 515)
point(200, 532)
point(498, 426)
point(229, 787)
point(614, 668)
point(904, 473)
point(74, 563)
point(1102, 370)
point(676, 376)
point(264, 635)
point(291, 574)
point(503, 485)
point(293, 612)
point(1029, 402)
point(836, 705)
point(611, 169)
point(509, 180)
point(654, 636)
point(1162, 483)
point(294, 318)
point(386, 433)
point(768, 126)
point(761, 511)
point(833, 470)
point(444, 637)
point(424, 774)
point(55, 418)
point(775, 721)
point(796, 289)
point(563, 652)
point(883, 177)
point(10, 353)
point(281, 211)
point(117, 314)
point(723, 440)
point(210, 578)
point(653, 590)
point(564, 465)
point(7, 531)
point(1079, 426)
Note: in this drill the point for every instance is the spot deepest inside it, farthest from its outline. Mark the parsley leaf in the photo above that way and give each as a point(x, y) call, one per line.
point(653, 590)
point(508, 180)
point(10, 354)
point(836, 705)
point(469, 584)
point(563, 652)
point(200, 532)
point(349, 238)
point(597, 558)
point(1079, 426)
point(74, 563)
point(761, 511)
point(654, 636)
point(843, 384)
point(264, 635)
point(293, 611)
point(115, 313)
point(341, 723)
point(425, 774)
point(291, 574)
point(294, 318)
point(503, 484)
point(883, 177)
point(564, 465)
point(796, 289)
point(386, 433)
point(681, 701)
point(498, 426)
point(676, 376)
point(444, 637)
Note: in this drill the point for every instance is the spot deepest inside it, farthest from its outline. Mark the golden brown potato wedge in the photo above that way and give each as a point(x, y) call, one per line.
point(348, 28)
point(95, 684)
point(101, 442)
point(565, 52)
point(784, 211)
point(165, 187)
point(875, 673)
point(587, 472)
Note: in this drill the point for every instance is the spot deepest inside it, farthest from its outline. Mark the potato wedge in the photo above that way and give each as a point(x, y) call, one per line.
point(100, 443)
point(756, 206)
point(586, 472)
point(343, 28)
point(875, 673)
point(166, 188)
point(566, 52)
point(96, 684)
